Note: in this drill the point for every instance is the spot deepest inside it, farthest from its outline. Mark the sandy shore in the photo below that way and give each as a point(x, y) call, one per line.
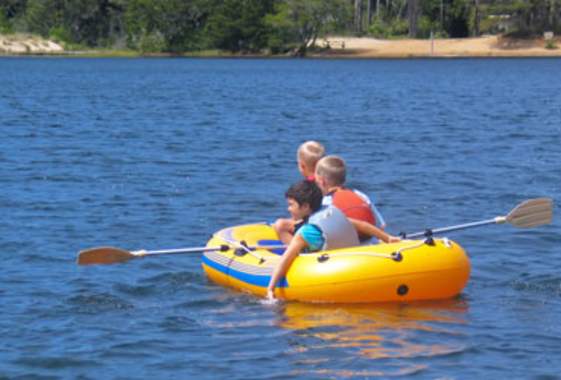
point(489, 46)
point(26, 44)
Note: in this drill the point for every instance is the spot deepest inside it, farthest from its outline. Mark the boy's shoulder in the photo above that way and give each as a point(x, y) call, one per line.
point(328, 199)
point(362, 195)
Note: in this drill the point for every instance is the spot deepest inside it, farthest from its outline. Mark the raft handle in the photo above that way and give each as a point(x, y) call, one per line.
point(397, 256)
point(323, 258)
point(430, 241)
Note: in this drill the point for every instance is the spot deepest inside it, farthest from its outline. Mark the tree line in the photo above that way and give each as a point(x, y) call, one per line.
point(266, 26)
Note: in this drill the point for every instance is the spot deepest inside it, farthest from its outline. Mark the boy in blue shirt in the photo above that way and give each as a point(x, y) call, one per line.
point(322, 229)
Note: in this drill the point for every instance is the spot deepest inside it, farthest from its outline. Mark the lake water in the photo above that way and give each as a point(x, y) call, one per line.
point(161, 153)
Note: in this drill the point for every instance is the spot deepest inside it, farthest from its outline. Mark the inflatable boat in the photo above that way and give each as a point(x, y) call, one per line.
point(410, 270)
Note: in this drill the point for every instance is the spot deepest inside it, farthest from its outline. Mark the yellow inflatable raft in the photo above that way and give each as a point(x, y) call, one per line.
point(405, 271)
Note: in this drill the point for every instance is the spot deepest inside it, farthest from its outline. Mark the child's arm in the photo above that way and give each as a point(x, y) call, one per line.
point(296, 246)
point(366, 228)
point(284, 229)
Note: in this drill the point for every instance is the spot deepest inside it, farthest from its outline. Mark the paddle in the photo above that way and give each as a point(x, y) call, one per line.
point(112, 255)
point(528, 214)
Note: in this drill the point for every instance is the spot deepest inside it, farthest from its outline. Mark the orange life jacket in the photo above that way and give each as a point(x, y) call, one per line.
point(353, 205)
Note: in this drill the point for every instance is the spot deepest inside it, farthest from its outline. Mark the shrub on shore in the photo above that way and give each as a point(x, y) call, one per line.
point(550, 44)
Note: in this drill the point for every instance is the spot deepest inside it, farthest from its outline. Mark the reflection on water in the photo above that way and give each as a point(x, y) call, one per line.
point(379, 340)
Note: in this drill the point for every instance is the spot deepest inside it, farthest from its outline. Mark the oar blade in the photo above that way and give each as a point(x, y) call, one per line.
point(103, 255)
point(531, 213)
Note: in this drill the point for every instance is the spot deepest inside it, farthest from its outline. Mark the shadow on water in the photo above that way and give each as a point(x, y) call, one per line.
point(374, 340)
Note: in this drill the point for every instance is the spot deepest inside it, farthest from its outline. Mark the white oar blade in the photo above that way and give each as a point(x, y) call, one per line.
point(532, 213)
point(103, 255)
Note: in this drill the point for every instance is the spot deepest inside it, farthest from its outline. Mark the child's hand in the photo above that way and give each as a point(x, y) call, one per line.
point(270, 295)
point(393, 239)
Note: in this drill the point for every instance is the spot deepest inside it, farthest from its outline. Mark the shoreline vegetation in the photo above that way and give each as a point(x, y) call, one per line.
point(328, 47)
point(281, 28)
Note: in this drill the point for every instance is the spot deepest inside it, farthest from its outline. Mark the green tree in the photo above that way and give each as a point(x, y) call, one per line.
point(432, 18)
point(239, 25)
point(172, 25)
point(12, 16)
point(92, 22)
point(357, 19)
point(527, 17)
point(75, 21)
point(458, 12)
point(44, 15)
point(476, 18)
point(13, 8)
point(5, 26)
point(301, 22)
point(533, 15)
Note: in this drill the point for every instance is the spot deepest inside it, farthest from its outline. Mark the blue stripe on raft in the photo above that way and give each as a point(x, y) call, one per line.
point(251, 279)
point(277, 251)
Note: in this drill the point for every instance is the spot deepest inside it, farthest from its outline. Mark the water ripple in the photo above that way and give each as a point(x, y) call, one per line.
point(95, 303)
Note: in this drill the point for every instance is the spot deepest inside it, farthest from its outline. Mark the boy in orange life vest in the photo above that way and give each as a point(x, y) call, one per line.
point(330, 177)
point(308, 154)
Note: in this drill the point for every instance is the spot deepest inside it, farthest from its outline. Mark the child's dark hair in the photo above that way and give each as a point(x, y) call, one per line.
point(306, 192)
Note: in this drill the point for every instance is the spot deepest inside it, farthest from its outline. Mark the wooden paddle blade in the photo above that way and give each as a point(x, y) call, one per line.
point(531, 213)
point(103, 255)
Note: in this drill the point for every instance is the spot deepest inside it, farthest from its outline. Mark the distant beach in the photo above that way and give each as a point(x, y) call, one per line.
point(342, 47)
point(488, 46)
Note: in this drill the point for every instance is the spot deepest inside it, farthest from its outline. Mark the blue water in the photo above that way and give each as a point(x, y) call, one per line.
point(161, 153)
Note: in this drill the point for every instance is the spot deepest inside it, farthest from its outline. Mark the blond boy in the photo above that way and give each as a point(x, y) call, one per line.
point(307, 156)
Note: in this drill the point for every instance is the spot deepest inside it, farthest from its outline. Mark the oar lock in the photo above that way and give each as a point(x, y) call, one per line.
point(429, 239)
point(428, 234)
point(242, 250)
